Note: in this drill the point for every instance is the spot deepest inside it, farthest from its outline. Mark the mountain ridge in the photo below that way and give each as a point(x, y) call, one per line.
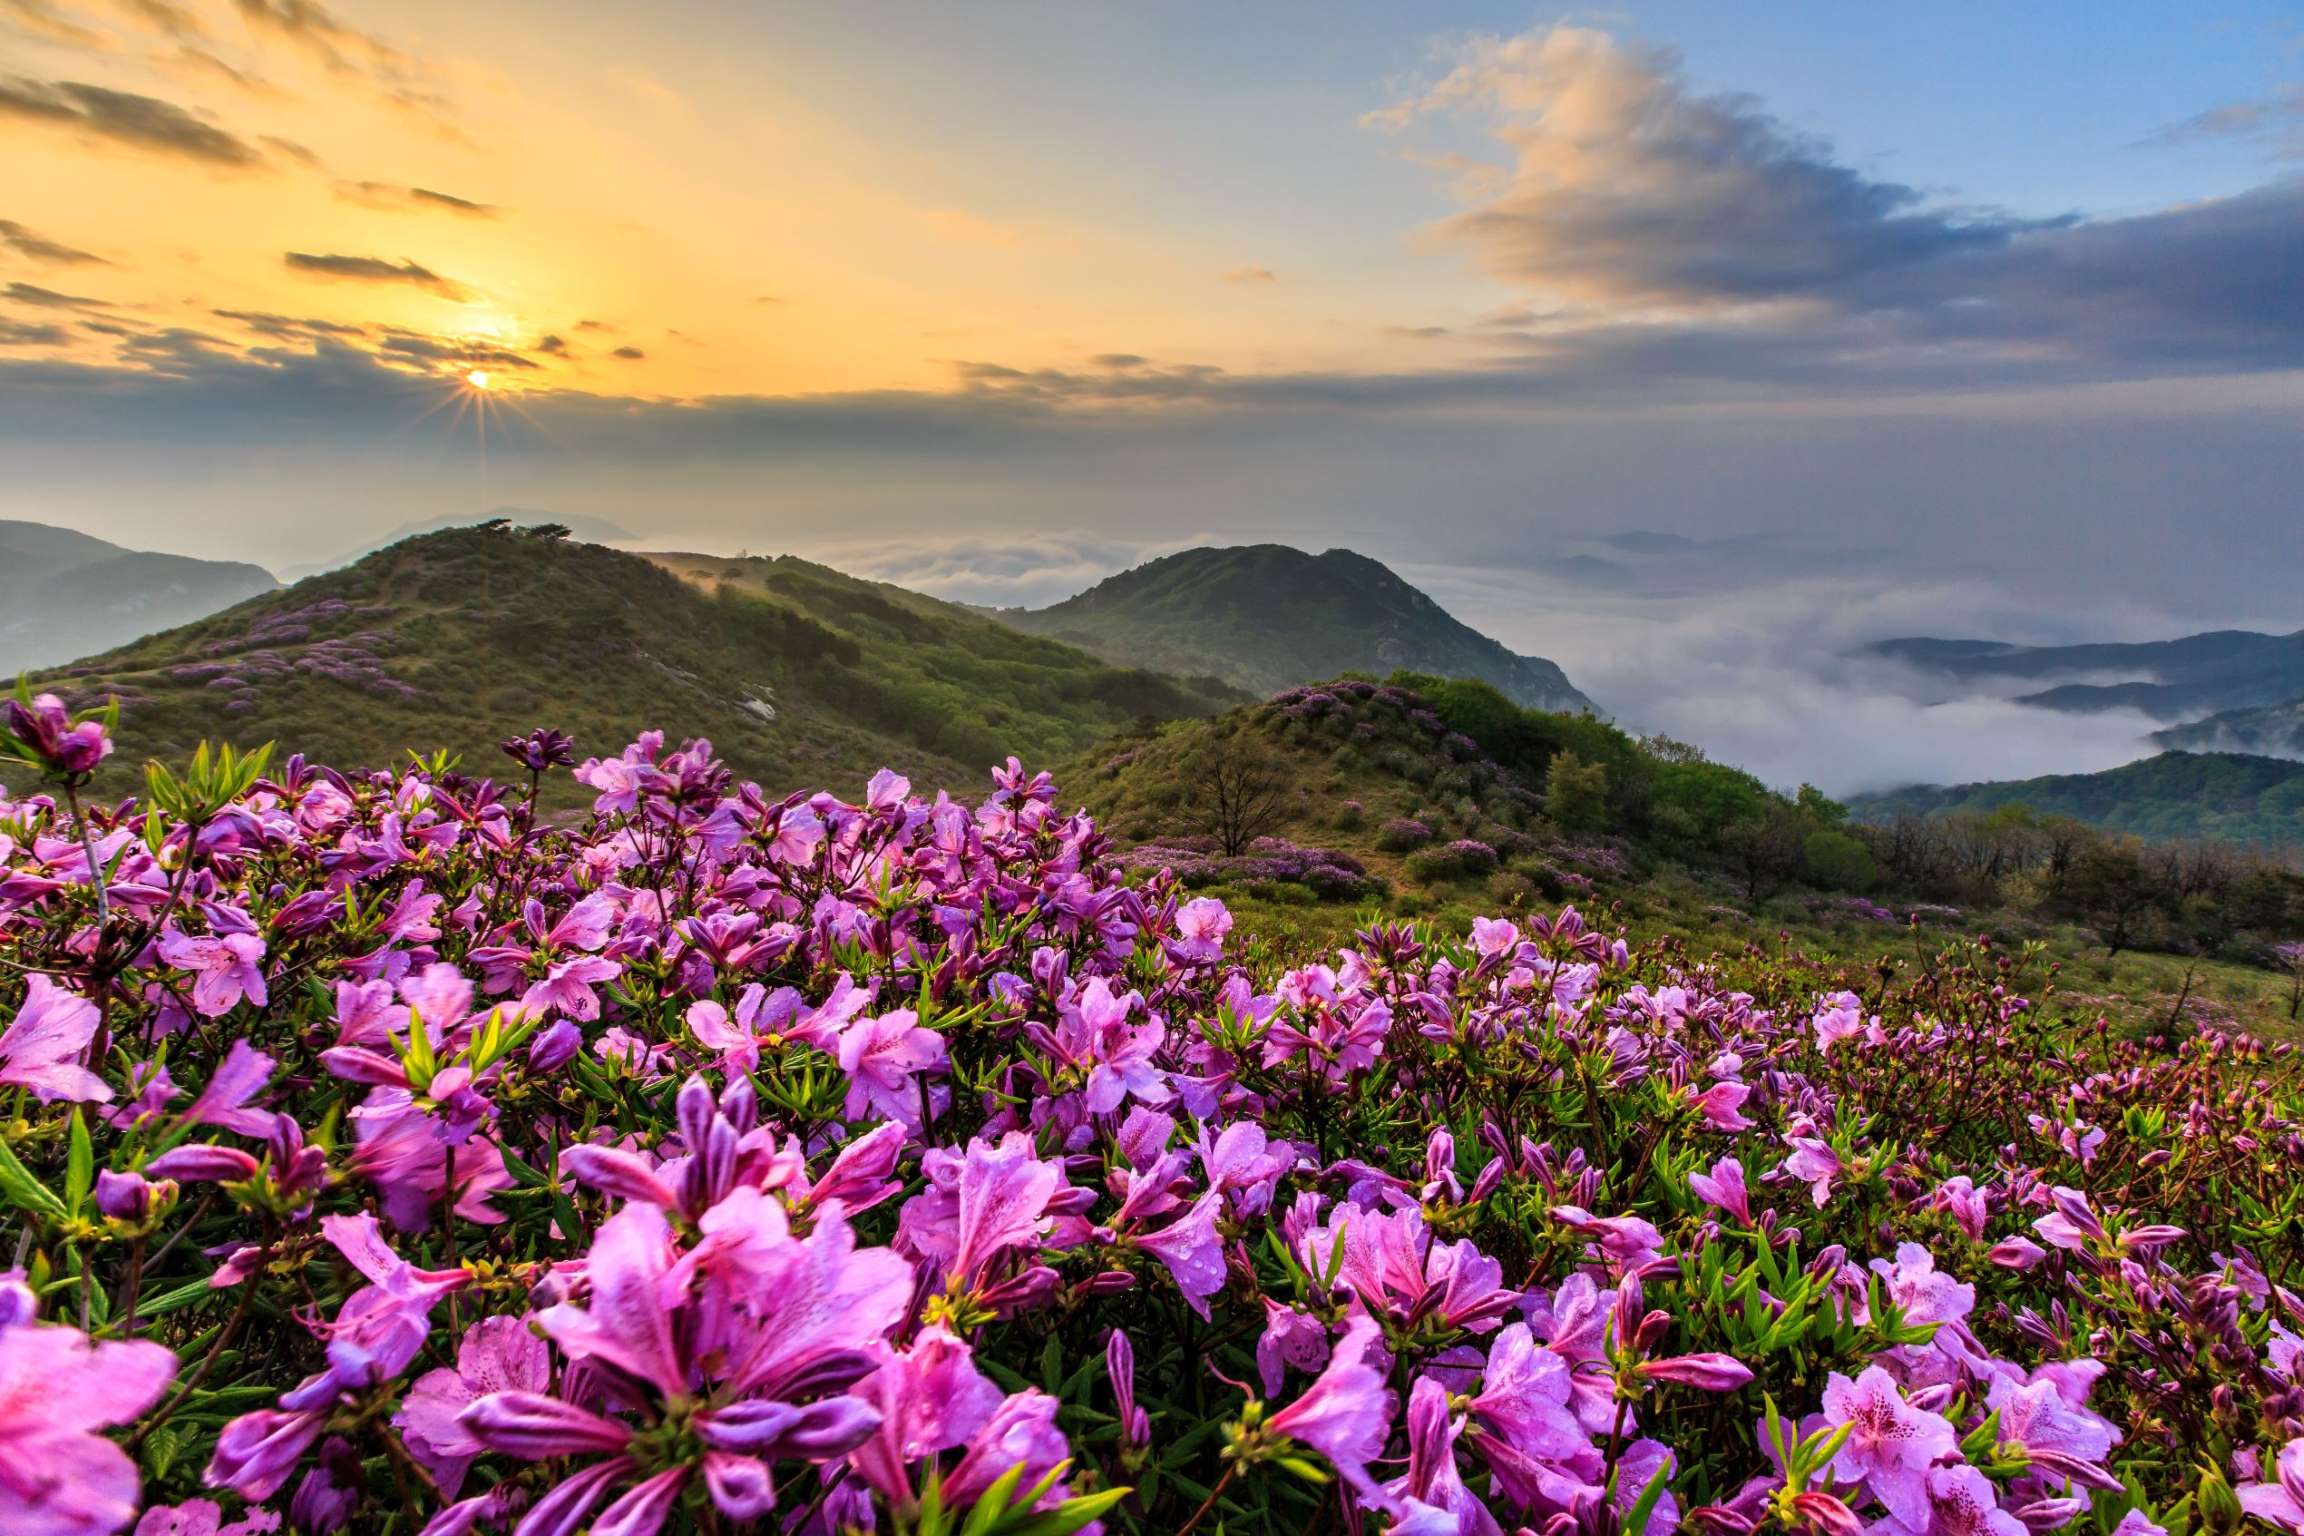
point(2212, 671)
point(1269, 616)
point(457, 639)
point(65, 594)
point(2227, 796)
point(2272, 730)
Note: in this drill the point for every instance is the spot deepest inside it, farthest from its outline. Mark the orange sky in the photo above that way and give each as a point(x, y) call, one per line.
point(740, 232)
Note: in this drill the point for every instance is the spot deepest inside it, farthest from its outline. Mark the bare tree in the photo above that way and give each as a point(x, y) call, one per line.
point(1236, 790)
point(2290, 958)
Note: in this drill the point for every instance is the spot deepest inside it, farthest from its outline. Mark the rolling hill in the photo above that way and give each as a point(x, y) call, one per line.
point(798, 674)
point(64, 594)
point(2166, 679)
point(2222, 795)
point(1265, 617)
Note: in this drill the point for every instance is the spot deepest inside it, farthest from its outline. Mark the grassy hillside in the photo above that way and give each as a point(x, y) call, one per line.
point(64, 594)
point(1438, 798)
point(2222, 795)
point(1267, 617)
point(457, 639)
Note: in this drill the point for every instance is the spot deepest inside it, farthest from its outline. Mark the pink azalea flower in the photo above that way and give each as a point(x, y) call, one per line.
point(59, 1475)
point(1920, 1291)
point(1724, 1188)
point(1433, 1481)
point(1837, 1018)
point(1346, 1414)
point(981, 1206)
point(1722, 1105)
point(42, 1047)
point(931, 1398)
point(1192, 1252)
point(2281, 1501)
point(225, 968)
point(880, 1055)
point(567, 987)
point(1961, 1502)
point(1814, 1163)
point(1533, 1435)
point(1892, 1444)
point(204, 1517)
point(496, 1354)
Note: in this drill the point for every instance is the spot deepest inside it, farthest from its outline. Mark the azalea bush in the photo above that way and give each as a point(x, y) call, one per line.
point(379, 1155)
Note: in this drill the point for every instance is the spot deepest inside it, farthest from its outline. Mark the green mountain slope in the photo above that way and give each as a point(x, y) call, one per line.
point(2167, 679)
point(1265, 617)
point(798, 674)
point(2276, 730)
point(64, 594)
point(2222, 795)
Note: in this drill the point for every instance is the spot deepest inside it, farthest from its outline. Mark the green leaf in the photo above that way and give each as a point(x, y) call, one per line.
point(1070, 1515)
point(79, 1165)
point(1637, 1521)
point(25, 1192)
point(986, 1516)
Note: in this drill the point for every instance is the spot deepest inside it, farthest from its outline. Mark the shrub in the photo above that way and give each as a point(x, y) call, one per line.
point(1462, 859)
point(1402, 834)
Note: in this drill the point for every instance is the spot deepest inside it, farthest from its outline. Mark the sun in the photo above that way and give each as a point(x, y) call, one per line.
point(478, 379)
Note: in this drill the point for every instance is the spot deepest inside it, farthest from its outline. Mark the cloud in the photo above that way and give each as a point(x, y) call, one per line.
point(393, 198)
point(1251, 275)
point(37, 247)
point(2276, 120)
point(994, 570)
point(294, 151)
point(552, 346)
point(44, 21)
point(188, 62)
point(289, 327)
point(15, 333)
point(400, 78)
point(164, 17)
point(1756, 671)
point(1625, 187)
point(629, 354)
point(375, 269)
point(49, 298)
point(123, 117)
point(457, 354)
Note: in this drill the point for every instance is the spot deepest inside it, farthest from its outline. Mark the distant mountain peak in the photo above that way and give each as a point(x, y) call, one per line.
point(1269, 616)
point(64, 593)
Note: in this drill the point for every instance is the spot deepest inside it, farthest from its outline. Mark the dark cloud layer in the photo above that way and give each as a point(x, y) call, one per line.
point(123, 117)
point(14, 333)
